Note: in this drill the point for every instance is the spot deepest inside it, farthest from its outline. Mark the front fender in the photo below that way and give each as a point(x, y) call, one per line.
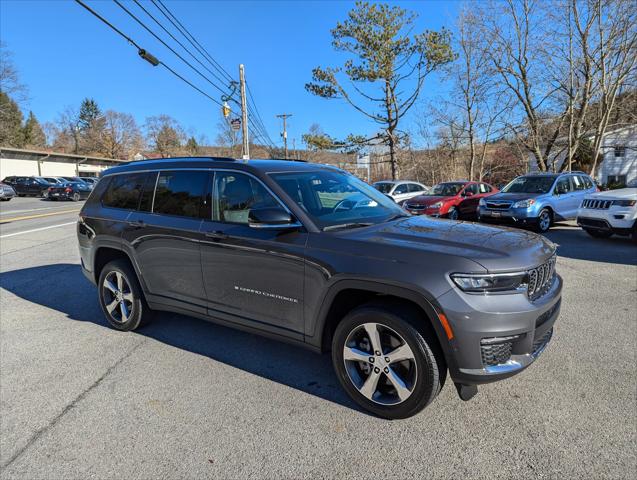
point(426, 302)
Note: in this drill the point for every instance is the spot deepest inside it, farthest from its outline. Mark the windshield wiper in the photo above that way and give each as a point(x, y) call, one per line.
point(346, 225)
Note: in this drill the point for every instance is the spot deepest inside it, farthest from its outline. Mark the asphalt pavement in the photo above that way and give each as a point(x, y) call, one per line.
point(186, 398)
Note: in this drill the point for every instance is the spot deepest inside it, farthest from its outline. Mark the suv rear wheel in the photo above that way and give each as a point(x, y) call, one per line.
point(121, 297)
point(384, 363)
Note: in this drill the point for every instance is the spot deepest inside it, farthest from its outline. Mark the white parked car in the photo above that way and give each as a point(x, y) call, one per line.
point(605, 213)
point(400, 190)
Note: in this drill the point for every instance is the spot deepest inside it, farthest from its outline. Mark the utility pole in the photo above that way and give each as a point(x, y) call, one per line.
point(244, 114)
point(284, 116)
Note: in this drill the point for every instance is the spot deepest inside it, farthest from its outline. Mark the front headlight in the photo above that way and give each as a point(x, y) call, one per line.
point(436, 205)
point(624, 203)
point(482, 202)
point(485, 283)
point(524, 203)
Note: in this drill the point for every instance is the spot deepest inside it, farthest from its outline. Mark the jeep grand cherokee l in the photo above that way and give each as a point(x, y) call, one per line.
point(281, 248)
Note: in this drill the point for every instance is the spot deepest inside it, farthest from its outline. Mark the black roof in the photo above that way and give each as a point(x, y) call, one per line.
point(263, 166)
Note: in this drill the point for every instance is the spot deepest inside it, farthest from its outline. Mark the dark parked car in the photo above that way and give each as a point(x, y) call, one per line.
point(23, 186)
point(75, 191)
point(280, 248)
point(454, 200)
point(6, 192)
point(74, 179)
point(54, 180)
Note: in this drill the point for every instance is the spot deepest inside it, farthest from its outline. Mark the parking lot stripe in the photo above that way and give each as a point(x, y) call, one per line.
point(37, 229)
point(27, 217)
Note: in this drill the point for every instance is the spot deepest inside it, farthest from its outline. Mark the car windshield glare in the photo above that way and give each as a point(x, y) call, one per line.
point(530, 185)
point(445, 189)
point(333, 198)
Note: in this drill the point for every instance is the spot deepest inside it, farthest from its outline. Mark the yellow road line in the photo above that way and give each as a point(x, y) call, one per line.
point(27, 217)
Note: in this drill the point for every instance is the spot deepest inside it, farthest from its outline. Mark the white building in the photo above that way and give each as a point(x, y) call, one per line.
point(619, 148)
point(18, 162)
point(618, 151)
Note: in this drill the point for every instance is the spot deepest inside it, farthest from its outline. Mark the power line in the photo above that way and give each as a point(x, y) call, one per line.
point(222, 80)
point(132, 15)
point(184, 31)
point(143, 52)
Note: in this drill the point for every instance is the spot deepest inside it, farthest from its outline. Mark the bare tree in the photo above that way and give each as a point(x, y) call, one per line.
point(9, 79)
point(616, 61)
point(228, 137)
point(120, 135)
point(165, 135)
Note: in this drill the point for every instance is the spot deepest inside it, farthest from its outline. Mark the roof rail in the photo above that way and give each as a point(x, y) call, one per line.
point(289, 160)
point(172, 159)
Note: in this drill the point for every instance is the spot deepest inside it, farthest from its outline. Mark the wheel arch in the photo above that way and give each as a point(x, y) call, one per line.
point(345, 295)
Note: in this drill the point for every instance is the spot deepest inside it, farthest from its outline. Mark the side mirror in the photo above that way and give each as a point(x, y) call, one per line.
point(275, 218)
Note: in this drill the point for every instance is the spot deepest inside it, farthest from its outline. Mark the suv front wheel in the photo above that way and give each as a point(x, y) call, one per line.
point(385, 363)
point(544, 221)
point(121, 297)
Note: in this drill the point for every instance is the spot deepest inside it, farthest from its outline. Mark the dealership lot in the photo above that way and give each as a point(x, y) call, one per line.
point(186, 398)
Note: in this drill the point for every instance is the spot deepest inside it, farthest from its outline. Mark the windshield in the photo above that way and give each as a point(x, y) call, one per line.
point(333, 198)
point(383, 187)
point(530, 185)
point(445, 189)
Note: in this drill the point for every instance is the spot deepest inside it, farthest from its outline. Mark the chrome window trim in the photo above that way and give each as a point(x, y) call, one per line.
point(211, 170)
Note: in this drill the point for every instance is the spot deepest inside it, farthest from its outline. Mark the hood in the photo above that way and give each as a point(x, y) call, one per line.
point(427, 199)
point(514, 197)
point(620, 194)
point(495, 248)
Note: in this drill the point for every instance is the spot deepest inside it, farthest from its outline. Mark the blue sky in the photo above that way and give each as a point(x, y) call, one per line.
point(64, 54)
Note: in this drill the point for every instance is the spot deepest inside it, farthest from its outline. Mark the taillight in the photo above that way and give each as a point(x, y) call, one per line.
point(50, 188)
point(68, 190)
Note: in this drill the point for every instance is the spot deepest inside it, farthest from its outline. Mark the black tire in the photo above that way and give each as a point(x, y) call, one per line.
point(139, 312)
point(633, 234)
point(426, 370)
point(544, 221)
point(599, 233)
point(453, 214)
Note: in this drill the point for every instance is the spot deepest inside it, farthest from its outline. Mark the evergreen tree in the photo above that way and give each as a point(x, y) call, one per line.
point(11, 134)
point(192, 146)
point(89, 113)
point(33, 135)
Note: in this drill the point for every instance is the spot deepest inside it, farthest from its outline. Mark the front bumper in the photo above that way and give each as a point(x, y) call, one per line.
point(520, 216)
point(616, 219)
point(497, 336)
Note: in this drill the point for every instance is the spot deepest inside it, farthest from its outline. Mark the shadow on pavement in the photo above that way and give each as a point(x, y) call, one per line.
point(290, 365)
point(573, 242)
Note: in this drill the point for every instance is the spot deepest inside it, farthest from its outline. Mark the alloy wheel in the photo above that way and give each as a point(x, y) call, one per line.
point(380, 363)
point(545, 221)
point(118, 296)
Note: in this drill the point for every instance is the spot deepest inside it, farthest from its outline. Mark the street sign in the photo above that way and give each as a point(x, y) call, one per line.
point(235, 124)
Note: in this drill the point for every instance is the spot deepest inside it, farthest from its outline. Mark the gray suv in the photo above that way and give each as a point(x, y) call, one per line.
point(309, 254)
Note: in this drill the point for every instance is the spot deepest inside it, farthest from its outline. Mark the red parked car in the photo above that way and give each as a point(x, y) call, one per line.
point(452, 200)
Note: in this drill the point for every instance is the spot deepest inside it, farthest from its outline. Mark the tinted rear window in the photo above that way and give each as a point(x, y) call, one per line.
point(124, 190)
point(180, 193)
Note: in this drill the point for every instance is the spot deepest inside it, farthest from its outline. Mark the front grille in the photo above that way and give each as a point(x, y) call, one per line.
point(495, 354)
point(597, 204)
point(540, 343)
point(593, 223)
point(541, 279)
point(415, 207)
point(496, 205)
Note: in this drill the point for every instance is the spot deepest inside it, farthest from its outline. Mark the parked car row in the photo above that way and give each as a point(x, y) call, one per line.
point(535, 200)
point(43, 186)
